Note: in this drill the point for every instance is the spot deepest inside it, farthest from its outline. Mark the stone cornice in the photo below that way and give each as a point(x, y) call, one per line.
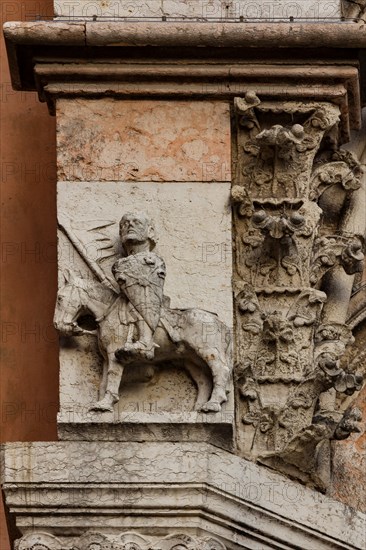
point(321, 62)
point(185, 34)
point(195, 486)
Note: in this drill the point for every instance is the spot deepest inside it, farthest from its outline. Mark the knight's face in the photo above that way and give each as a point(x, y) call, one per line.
point(134, 228)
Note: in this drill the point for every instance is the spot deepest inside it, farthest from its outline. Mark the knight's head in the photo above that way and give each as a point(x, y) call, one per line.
point(136, 228)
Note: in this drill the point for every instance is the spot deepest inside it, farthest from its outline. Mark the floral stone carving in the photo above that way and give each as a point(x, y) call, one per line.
point(126, 541)
point(133, 321)
point(299, 240)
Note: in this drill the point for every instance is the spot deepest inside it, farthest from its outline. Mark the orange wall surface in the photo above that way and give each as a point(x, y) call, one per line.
point(29, 343)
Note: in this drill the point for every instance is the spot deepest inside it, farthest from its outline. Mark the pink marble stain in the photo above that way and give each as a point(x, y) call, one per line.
point(121, 140)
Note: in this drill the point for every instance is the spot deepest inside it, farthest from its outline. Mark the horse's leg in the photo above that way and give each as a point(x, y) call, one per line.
point(220, 377)
point(114, 373)
point(103, 382)
point(201, 382)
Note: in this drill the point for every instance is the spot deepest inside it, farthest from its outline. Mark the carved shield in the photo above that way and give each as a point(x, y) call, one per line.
point(141, 278)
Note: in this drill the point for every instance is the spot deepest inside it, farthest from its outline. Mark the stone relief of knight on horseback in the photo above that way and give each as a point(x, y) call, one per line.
point(134, 322)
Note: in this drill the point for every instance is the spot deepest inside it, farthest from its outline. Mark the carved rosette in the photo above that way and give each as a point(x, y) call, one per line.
point(94, 540)
point(296, 254)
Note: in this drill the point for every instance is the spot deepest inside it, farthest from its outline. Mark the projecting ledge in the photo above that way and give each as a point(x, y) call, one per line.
point(318, 61)
point(185, 34)
point(157, 488)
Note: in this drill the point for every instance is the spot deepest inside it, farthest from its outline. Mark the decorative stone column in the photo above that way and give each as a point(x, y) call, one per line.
point(211, 228)
point(300, 224)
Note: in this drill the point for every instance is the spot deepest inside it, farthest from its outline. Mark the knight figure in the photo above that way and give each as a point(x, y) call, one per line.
point(140, 276)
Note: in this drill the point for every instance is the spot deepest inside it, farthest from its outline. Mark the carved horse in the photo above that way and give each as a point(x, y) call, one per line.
point(195, 336)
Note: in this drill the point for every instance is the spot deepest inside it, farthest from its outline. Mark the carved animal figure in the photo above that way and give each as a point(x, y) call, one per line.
point(196, 336)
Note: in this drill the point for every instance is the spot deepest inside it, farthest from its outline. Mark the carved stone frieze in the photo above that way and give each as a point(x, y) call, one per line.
point(297, 249)
point(94, 540)
point(38, 541)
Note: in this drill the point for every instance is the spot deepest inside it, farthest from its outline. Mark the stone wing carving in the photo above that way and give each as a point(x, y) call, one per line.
point(96, 242)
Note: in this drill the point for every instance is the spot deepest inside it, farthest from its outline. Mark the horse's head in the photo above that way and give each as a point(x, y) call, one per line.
point(69, 306)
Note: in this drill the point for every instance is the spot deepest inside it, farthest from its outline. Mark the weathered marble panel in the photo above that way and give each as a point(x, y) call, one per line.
point(115, 140)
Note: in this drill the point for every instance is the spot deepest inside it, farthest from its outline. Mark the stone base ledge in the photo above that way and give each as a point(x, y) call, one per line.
point(214, 428)
point(158, 489)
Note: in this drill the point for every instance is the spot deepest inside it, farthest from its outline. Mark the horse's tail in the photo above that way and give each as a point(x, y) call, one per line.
point(229, 352)
point(227, 340)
